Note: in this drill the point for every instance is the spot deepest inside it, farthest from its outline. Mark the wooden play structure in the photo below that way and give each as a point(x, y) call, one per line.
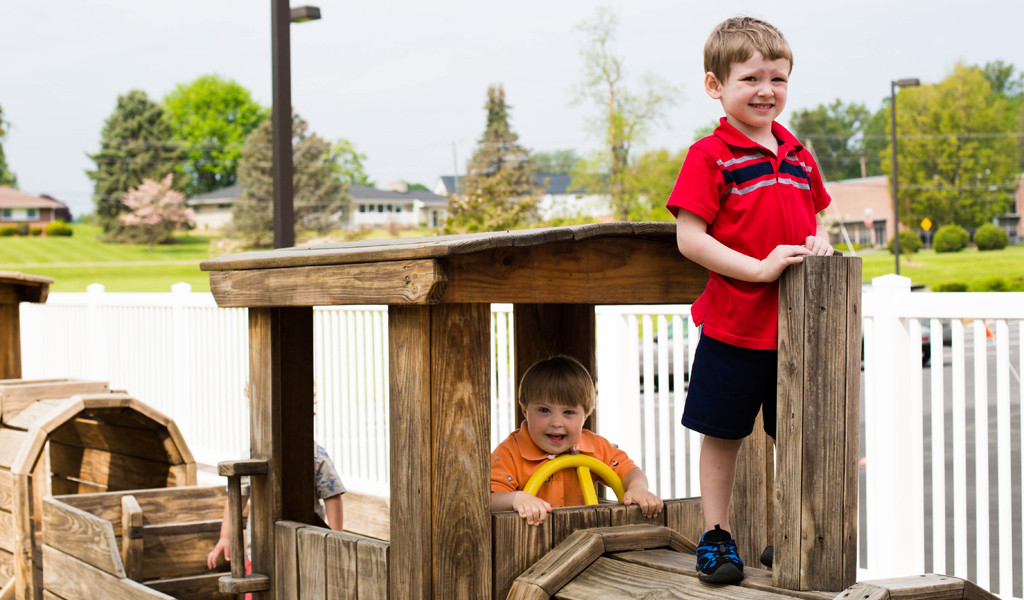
point(444, 543)
point(71, 437)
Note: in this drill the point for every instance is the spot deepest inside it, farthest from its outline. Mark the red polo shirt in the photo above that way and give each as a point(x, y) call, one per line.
point(752, 200)
point(517, 457)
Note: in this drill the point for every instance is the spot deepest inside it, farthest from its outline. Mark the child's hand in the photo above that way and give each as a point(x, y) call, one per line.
point(781, 257)
point(650, 505)
point(818, 246)
point(530, 507)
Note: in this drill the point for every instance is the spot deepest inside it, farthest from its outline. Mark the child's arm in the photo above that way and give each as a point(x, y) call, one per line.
point(334, 509)
point(637, 492)
point(223, 545)
point(697, 245)
point(529, 507)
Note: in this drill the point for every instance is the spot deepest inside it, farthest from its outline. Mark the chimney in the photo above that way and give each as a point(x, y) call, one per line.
point(397, 186)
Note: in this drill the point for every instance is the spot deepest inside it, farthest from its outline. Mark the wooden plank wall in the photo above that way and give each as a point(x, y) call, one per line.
point(315, 563)
point(517, 546)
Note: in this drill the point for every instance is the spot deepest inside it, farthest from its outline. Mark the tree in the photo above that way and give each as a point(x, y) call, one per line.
point(211, 118)
point(6, 176)
point(836, 134)
point(625, 117)
point(1009, 84)
point(561, 162)
point(350, 163)
point(156, 211)
point(498, 191)
point(957, 151)
point(134, 145)
point(320, 199)
point(656, 174)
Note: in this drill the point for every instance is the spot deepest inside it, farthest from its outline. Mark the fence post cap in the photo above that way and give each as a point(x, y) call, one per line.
point(891, 281)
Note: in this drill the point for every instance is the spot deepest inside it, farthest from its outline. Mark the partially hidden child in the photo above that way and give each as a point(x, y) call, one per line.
point(746, 205)
point(556, 396)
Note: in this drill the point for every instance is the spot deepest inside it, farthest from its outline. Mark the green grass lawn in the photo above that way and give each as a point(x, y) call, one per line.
point(77, 261)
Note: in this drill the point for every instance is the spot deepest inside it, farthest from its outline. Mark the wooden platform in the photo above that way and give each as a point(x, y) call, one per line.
point(644, 562)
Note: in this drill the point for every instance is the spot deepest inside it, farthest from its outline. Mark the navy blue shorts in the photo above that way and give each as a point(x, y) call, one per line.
point(728, 386)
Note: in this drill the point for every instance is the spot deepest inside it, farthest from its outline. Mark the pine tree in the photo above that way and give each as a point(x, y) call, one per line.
point(498, 192)
point(135, 145)
point(320, 199)
point(6, 176)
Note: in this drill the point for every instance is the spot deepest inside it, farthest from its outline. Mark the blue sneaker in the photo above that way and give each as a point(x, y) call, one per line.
point(717, 559)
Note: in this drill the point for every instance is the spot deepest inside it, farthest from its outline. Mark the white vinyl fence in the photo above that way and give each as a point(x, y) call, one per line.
point(941, 472)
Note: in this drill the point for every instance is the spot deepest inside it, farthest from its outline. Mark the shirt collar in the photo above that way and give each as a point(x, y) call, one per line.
point(530, 451)
point(733, 137)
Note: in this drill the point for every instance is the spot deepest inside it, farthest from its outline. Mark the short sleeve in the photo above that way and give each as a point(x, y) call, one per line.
point(699, 186)
point(327, 481)
point(503, 471)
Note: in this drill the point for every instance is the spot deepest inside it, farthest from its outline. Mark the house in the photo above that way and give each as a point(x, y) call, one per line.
point(213, 209)
point(864, 207)
point(557, 201)
point(17, 207)
point(395, 205)
point(371, 207)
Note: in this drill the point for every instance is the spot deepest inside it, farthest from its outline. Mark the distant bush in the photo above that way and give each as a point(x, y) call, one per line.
point(8, 230)
point(990, 237)
point(951, 286)
point(35, 231)
point(909, 243)
point(22, 228)
point(990, 284)
point(58, 228)
point(950, 238)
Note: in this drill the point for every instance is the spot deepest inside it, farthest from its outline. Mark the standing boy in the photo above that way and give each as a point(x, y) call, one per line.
point(556, 395)
point(746, 204)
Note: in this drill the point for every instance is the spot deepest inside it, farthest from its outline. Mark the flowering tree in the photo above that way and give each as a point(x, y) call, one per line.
point(156, 211)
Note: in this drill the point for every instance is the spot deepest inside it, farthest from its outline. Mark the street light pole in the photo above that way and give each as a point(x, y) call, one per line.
point(909, 82)
point(281, 120)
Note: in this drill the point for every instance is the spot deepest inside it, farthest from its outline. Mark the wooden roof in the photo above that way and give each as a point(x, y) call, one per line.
point(605, 263)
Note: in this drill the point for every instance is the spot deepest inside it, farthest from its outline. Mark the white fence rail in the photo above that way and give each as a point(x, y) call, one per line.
point(941, 475)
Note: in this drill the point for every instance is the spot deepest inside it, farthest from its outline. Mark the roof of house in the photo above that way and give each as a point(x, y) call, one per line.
point(12, 198)
point(365, 193)
point(220, 196)
point(553, 183)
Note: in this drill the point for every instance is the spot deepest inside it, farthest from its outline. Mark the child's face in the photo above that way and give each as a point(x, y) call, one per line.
point(754, 94)
point(554, 428)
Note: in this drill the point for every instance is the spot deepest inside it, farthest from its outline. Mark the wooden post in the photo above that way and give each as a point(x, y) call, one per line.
point(440, 438)
point(281, 417)
point(14, 289)
point(815, 512)
point(544, 330)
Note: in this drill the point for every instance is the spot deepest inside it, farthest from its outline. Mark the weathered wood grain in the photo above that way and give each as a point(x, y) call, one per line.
point(132, 541)
point(286, 557)
point(516, 546)
point(69, 577)
point(17, 396)
point(403, 282)
point(115, 471)
point(372, 557)
point(81, 534)
point(411, 453)
point(459, 440)
point(564, 562)
point(342, 555)
point(312, 566)
point(193, 587)
point(566, 520)
point(367, 514)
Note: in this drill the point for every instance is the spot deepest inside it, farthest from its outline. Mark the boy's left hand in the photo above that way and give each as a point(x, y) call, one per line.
point(650, 505)
point(818, 246)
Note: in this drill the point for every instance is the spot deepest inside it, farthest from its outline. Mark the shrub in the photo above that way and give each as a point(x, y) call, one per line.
point(990, 237)
point(951, 286)
point(909, 243)
point(8, 230)
point(59, 228)
point(23, 229)
point(991, 284)
point(35, 231)
point(950, 238)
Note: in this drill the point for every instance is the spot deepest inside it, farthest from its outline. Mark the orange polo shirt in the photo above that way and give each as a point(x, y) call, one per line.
point(516, 458)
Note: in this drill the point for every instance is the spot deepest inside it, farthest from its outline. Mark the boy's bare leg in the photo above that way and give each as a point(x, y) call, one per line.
point(717, 474)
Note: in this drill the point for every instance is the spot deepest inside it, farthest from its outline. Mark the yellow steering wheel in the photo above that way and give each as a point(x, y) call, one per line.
point(583, 464)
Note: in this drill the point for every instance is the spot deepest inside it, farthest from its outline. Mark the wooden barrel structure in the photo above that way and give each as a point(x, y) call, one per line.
point(73, 437)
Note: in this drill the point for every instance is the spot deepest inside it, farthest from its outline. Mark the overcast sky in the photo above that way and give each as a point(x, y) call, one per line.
point(406, 80)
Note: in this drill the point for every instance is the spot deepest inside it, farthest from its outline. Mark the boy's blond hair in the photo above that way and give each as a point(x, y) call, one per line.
point(735, 40)
point(560, 380)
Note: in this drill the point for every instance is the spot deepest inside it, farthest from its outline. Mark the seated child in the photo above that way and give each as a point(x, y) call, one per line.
point(556, 395)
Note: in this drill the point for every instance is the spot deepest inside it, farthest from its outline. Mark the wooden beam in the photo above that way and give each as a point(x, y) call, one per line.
point(818, 425)
point(397, 282)
point(281, 413)
point(607, 270)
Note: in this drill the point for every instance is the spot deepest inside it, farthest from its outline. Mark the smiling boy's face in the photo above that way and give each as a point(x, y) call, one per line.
point(554, 428)
point(754, 93)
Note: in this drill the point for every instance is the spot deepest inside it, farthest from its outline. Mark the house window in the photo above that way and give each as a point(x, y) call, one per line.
point(7, 214)
point(32, 214)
